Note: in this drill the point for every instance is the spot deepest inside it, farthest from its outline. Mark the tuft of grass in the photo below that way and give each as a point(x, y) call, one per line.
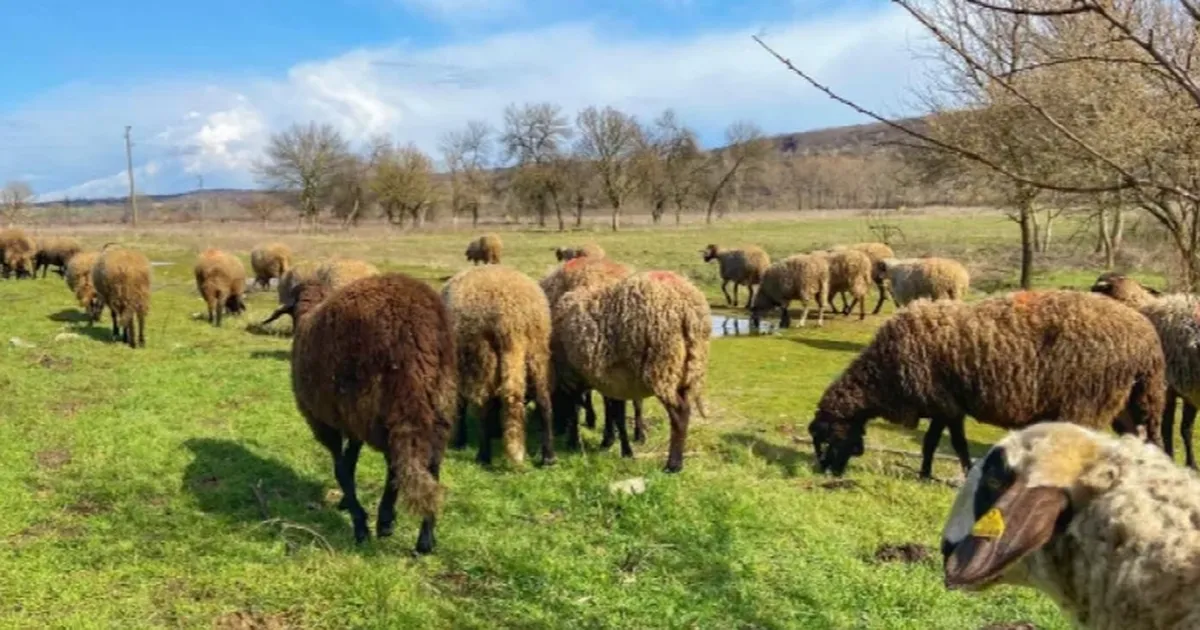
point(178, 486)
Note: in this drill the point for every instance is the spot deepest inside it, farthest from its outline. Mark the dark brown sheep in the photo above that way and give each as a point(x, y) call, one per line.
point(375, 363)
point(486, 249)
point(270, 260)
point(55, 251)
point(221, 281)
point(17, 251)
point(122, 280)
point(1008, 361)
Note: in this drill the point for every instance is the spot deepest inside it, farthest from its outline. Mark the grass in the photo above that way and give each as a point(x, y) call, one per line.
point(176, 486)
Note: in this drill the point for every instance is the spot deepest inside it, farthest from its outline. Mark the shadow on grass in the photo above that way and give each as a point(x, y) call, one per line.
point(100, 331)
point(68, 316)
point(278, 355)
point(834, 345)
point(256, 328)
point(787, 458)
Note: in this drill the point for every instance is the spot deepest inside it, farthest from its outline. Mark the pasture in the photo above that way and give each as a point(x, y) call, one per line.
point(177, 486)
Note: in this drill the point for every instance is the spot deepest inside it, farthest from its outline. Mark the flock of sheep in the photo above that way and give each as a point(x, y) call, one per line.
point(1109, 527)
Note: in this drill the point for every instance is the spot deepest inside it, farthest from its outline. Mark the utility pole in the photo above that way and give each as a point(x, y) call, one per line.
point(129, 169)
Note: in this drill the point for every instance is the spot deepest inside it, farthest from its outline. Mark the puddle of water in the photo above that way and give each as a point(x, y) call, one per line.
point(725, 326)
point(159, 263)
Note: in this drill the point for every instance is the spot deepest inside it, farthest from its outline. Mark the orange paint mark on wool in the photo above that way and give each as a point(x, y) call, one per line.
point(664, 276)
point(1024, 298)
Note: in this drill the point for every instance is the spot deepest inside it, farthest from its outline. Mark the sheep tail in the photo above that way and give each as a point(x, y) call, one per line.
point(413, 456)
point(694, 362)
point(1146, 402)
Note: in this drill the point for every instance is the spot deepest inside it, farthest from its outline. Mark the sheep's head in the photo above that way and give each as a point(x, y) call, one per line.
point(879, 271)
point(1017, 499)
point(302, 298)
point(235, 304)
point(835, 440)
point(561, 254)
point(1122, 288)
point(710, 252)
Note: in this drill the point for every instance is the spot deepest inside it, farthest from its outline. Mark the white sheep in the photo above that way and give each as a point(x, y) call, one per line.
point(915, 278)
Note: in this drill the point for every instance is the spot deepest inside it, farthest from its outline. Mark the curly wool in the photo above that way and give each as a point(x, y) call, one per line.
point(741, 266)
point(340, 272)
point(122, 278)
point(582, 272)
point(55, 251)
point(270, 260)
point(17, 252)
point(501, 322)
point(79, 280)
point(221, 282)
point(932, 278)
point(486, 249)
point(850, 273)
point(803, 277)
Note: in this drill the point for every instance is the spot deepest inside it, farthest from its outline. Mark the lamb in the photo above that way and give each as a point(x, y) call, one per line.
point(270, 260)
point(79, 280)
point(221, 281)
point(1174, 317)
point(1105, 526)
point(56, 252)
point(645, 335)
point(501, 322)
point(339, 272)
point(850, 273)
point(590, 250)
point(915, 278)
point(375, 362)
point(122, 280)
point(745, 265)
point(17, 251)
point(876, 252)
point(801, 277)
point(485, 249)
point(1008, 361)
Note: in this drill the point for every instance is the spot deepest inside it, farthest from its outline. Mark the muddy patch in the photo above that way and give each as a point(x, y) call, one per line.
point(53, 459)
point(55, 363)
point(87, 507)
point(830, 484)
point(1019, 625)
point(907, 553)
point(725, 326)
point(250, 620)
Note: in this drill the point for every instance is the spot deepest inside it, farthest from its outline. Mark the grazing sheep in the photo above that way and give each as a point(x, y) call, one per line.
point(850, 273)
point(339, 272)
point(221, 281)
point(485, 249)
point(801, 277)
point(501, 325)
point(1105, 526)
point(1008, 361)
point(79, 280)
point(876, 252)
point(915, 278)
point(646, 335)
point(1175, 318)
point(122, 280)
point(745, 265)
point(270, 260)
point(56, 252)
point(590, 250)
point(17, 251)
point(375, 362)
point(295, 275)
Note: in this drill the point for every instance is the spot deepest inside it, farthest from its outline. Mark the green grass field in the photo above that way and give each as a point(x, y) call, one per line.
point(177, 486)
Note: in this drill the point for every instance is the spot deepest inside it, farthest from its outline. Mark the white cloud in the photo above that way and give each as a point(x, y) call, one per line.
point(116, 185)
point(463, 9)
point(216, 129)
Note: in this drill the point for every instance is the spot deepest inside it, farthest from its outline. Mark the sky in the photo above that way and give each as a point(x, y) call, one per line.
point(204, 85)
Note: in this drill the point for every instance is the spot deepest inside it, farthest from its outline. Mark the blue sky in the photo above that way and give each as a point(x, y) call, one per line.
point(205, 84)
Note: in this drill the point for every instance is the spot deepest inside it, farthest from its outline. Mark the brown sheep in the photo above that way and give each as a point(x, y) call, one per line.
point(375, 363)
point(931, 277)
point(296, 274)
point(17, 252)
point(79, 280)
point(646, 335)
point(876, 252)
point(486, 249)
point(122, 280)
point(590, 250)
point(55, 252)
point(745, 265)
point(502, 331)
point(270, 260)
point(339, 272)
point(1008, 361)
point(850, 273)
point(221, 281)
point(801, 277)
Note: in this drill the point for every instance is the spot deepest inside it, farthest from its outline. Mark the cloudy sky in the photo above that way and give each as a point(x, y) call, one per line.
point(204, 84)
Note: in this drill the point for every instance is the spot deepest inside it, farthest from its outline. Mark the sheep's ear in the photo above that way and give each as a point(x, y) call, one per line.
point(1021, 522)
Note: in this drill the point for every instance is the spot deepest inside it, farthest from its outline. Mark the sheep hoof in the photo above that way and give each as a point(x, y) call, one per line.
point(344, 504)
point(383, 529)
point(549, 460)
point(361, 535)
point(673, 467)
point(607, 443)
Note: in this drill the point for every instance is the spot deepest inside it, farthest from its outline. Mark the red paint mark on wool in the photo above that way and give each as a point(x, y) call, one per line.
point(1024, 298)
point(664, 276)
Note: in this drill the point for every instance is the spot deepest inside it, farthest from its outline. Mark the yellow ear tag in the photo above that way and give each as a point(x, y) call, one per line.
point(990, 525)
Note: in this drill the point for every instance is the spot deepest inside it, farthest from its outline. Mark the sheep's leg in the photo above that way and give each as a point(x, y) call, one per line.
point(804, 312)
point(680, 414)
point(862, 307)
point(822, 297)
point(724, 284)
point(932, 437)
point(116, 329)
point(588, 408)
point(488, 419)
point(639, 422)
point(1185, 432)
point(882, 295)
point(141, 322)
point(460, 431)
point(615, 409)
point(958, 439)
point(566, 416)
point(426, 540)
point(385, 522)
point(344, 468)
point(749, 295)
point(785, 318)
point(610, 427)
point(541, 384)
point(735, 294)
point(1168, 424)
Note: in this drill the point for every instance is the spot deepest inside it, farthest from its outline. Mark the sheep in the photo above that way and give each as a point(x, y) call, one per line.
point(1174, 317)
point(1008, 361)
point(339, 272)
point(295, 275)
point(876, 252)
point(591, 250)
point(122, 279)
point(501, 322)
point(221, 281)
point(850, 273)
point(645, 335)
point(801, 277)
point(375, 362)
point(486, 249)
point(1105, 526)
point(745, 265)
point(270, 260)
point(914, 278)
point(17, 251)
point(79, 280)
point(56, 252)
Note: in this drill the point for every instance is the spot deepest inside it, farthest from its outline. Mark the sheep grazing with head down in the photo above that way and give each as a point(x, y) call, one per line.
point(590, 250)
point(645, 335)
point(296, 274)
point(803, 277)
point(339, 272)
point(79, 280)
point(1104, 526)
point(56, 252)
point(915, 278)
point(744, 265)
point(850, 274)
point(122, 278)
point(375, 363)
point(270, 260)
point(221, 281)
point(876, 252)
point(1008, 361)
point(486, 249)
point(1175, 317)
point(17, 252)
point(502, 330)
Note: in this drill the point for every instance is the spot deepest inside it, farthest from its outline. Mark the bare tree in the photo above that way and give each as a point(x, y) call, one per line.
point(534, 138)
point(668, 161)
point(467, 154)
point(578, 177)
point(745, 148)
point(609, 138)
point(304, 160)
point(404, 185)
point(15, 198)
point(263, 206)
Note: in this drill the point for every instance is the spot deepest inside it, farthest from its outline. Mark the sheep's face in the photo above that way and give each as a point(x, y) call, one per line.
point(709, 252)
point(835, 441)
point(94, 306)
point(235, 304)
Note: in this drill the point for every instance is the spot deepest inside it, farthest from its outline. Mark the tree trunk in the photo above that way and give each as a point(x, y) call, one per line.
point(475, 215)
point(1037, 228)
point(579, 202)
point(1118, 229)
point(1028, 242)
point(1102, 235)
point(1046, 232)
point(678, 212)
point(616, 217)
